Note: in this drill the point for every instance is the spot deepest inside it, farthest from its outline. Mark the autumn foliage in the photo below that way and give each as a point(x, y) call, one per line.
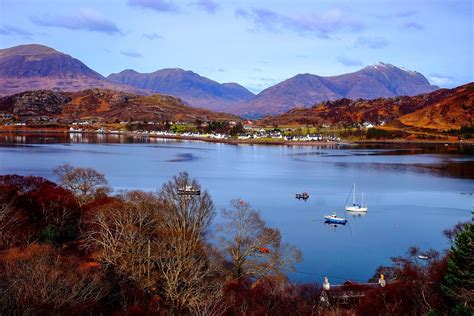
point(74, 249)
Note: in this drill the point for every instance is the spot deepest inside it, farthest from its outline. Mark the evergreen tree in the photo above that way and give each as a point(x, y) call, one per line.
point(459, 280)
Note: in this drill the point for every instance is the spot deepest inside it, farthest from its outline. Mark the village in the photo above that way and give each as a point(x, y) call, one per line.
point(248, 134)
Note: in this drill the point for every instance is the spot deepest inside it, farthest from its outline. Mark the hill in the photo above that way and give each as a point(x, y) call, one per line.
point(380, 80)
point(34, 67)
point(192, 88)
point(439, 110)
point(106, 105)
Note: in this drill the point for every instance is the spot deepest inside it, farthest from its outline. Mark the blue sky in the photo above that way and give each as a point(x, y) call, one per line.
point(254, 43)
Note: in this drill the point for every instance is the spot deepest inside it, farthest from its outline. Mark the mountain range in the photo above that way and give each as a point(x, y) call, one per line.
point(187, 85)
point(32, 67)
point(303, 90)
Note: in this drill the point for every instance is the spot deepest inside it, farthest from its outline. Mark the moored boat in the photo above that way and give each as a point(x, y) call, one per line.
point(334, 219)
point(356, 207)
point(302, 195)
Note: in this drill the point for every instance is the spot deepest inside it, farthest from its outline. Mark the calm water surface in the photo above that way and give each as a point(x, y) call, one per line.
point(413, 193)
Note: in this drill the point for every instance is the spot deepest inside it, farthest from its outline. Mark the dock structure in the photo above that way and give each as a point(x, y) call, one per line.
point(189, 190)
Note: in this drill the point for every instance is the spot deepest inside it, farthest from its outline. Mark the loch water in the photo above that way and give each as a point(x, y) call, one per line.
point(413, 192)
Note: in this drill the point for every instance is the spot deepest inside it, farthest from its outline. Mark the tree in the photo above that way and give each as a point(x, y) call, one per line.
point(85, 183)
point(159, 242)
point(237, 129)
point(413, 286)
point(8, 217)
point(189, 275)
point(459, 280)
point(123, 234)
point(33, 208)
point(37, 280)
point(251, 248)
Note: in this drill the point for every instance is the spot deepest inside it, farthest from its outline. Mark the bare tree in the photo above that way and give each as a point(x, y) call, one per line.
point(8, 219)
point(159, 241)
point(38, 280)
point(189, 277)
point(85, 183)
point(251, 248)
point(124, 234)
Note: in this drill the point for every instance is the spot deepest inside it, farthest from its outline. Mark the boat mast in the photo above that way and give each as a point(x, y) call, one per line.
point(362, 202)
point(353, 194)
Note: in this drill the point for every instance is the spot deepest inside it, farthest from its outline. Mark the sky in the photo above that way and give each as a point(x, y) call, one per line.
point(254, 43)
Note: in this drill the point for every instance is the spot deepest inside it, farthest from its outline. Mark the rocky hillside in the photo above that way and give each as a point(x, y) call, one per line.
point(441, 110)
point(34, 67)
point(192, 88)
point(107, 105)
point(380, 80)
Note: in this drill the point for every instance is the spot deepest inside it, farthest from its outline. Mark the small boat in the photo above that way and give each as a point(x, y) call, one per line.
point(189, 190)
point(423, 257)
point(302, 195)
point(355, 207)
point(334, 219)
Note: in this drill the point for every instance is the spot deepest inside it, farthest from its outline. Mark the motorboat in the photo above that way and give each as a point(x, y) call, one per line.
point(334, 219)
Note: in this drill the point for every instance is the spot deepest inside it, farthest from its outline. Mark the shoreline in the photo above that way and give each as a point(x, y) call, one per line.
point(246, 141)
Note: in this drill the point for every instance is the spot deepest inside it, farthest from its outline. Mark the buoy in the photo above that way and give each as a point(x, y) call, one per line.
point(264, 250)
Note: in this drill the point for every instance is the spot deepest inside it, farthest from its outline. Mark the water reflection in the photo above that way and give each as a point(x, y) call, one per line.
point(356, 214)
point(446, 168)
point(403, 186)
point(183, 157)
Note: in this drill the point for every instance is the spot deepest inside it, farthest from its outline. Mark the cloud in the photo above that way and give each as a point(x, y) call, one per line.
point(131, 53)
point(221, 70)
point(398, 14)
point(156, 5)
point(349, 61)
point(377, 42)
point(86, 19)
point(319, 25)
point(13, 30)
point(441, 80)
point(210, 6)
point(413, 26)
point(152, 36)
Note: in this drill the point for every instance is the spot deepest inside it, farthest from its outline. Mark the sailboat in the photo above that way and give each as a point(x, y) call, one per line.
point(355, 207)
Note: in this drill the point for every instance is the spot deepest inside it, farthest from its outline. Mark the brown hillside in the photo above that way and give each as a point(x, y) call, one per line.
point(105, 104)
point(441, 109)
point(452, 112)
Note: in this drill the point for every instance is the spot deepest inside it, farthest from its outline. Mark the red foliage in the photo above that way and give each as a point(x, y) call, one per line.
point(41, 203)
point(271, 296)
point(415, 291)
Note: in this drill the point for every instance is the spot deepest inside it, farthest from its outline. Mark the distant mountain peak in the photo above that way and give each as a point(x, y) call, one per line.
point(371, 82)
point(380, 65)
point(28, 49)
point(34, 67)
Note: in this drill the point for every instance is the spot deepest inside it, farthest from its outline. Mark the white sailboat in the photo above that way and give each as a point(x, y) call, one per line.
point(355, 207)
